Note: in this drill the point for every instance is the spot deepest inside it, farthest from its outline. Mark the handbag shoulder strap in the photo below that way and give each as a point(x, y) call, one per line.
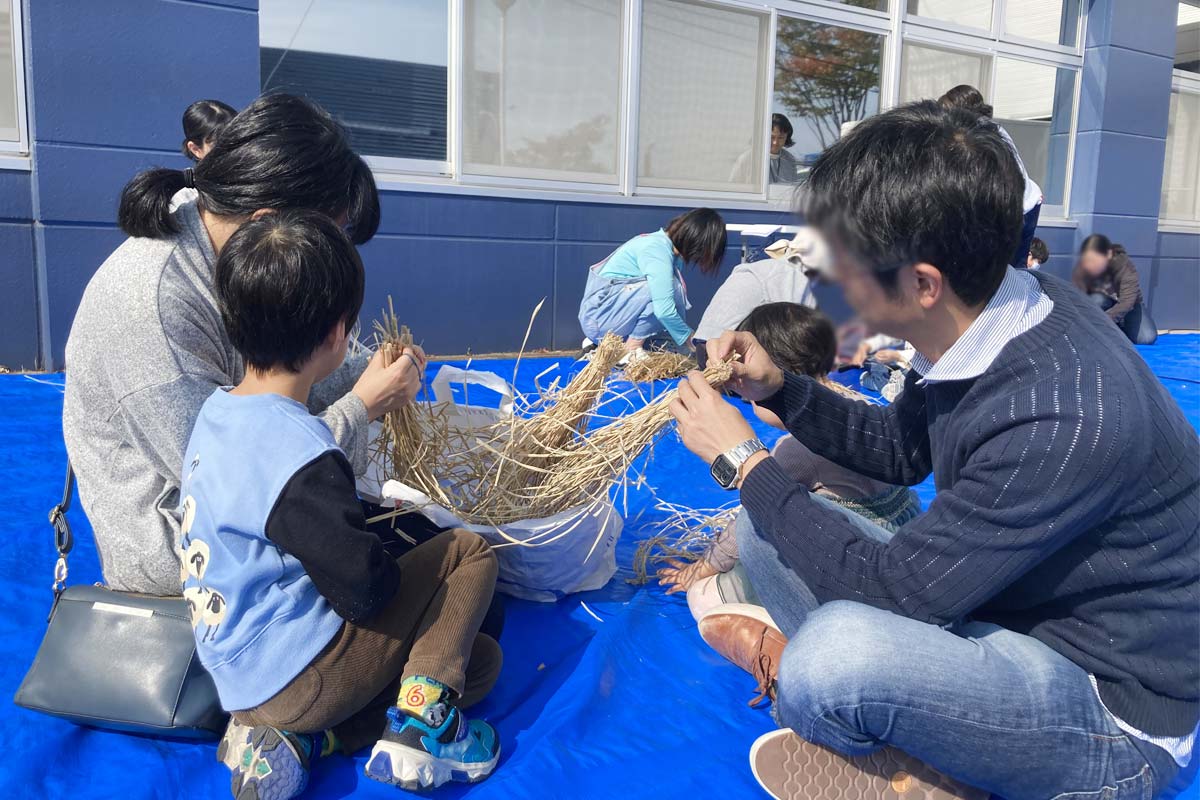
point(63, 539)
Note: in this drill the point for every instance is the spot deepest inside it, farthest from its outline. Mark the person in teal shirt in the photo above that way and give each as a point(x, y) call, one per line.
point(638, 291)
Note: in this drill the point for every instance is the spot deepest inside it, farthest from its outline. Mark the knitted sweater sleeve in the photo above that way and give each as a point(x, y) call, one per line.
point(1028, 487)
point(887, 443)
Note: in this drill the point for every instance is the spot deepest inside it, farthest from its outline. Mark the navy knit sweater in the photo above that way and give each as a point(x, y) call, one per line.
point(1067, 509)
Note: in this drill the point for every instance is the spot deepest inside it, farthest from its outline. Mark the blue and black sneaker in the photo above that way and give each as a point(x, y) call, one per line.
point(273, 764)
point(415, 754)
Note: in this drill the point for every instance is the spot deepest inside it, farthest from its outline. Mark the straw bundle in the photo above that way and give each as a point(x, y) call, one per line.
point(539, 463)
point(660, 366)
point(685, 535)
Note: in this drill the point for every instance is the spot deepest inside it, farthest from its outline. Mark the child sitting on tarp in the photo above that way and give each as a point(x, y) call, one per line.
point(802, 341)
point(315, 638)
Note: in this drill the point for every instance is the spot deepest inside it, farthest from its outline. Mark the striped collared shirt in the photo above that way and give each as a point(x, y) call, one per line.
point(1017, 306)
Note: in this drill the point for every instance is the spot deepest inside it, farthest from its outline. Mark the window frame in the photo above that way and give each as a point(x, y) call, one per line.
point(1181, 83)
point(896, 27)
point(15, 154)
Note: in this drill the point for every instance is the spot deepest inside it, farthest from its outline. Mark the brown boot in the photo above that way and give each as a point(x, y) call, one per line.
point(789, 768)
point(746, 635)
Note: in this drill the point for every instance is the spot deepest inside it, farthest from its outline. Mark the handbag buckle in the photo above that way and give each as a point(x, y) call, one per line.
point(60, 576)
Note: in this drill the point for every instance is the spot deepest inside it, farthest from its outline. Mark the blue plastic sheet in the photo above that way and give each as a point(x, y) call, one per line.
point(607, 694)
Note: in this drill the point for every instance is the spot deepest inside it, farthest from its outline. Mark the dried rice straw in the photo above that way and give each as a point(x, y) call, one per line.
point(685, 535)
point(660, 366)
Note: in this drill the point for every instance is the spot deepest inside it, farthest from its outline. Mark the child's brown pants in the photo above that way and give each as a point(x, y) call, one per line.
point(430, 628)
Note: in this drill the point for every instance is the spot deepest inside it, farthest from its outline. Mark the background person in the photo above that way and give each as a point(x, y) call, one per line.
point(202, 121)
point(782, 278)
point(147, 346)
point(783, 167)
point(1105, 273)
point(639, 291)
point(1039, 254)
point(970, 98)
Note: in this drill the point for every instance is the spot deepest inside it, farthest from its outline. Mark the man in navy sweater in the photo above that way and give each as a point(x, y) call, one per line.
point(1036, 632)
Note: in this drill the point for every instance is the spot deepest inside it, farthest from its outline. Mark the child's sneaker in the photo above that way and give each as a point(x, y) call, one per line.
point(229, 749)
point(414, 754)
point(272, 764)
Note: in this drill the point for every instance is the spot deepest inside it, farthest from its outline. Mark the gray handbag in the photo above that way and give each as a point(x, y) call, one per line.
point(118, 660)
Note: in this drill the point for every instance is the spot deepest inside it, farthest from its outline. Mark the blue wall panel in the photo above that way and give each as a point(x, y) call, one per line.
point(122, 74)
point(73, 254)
point(18, 298)
point(459, 216)
point(1175, 301)
point(14, 195)
point(84, 183)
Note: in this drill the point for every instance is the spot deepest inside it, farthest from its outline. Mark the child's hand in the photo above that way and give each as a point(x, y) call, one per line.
point(680, 576)
point(383, 389)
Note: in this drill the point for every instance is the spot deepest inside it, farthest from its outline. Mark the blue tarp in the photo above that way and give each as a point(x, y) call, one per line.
point(607, 694)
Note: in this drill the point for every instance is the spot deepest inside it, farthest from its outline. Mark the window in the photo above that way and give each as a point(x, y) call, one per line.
point(542, 88)
point(874, 5)
point(1187, 38)
point(825, 76)
point(1034, 103)
point(379, 66)
point(1050, 21)
point(702, 108)
point(1181, 169)
point(968, 13)
point(927, 72)
point(10, 115)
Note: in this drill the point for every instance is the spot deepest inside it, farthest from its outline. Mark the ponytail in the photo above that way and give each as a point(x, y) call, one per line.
point(146, 203)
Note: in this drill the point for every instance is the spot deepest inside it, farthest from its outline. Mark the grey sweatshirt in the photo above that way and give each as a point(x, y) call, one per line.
point(146, 350)
point(749, 286)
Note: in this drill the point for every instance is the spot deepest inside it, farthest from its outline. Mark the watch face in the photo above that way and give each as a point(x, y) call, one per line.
point(724, 472)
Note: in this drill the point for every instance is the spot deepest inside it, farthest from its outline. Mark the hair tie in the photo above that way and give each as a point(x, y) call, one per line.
point(189, 179)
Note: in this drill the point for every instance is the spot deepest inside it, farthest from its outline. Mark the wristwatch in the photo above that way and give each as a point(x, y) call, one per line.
point(727, 466)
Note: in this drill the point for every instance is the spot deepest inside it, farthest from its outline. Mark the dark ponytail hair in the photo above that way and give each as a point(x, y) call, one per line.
point(966, 96)
point(699, 236)
point(202, 121)
point(799, 339)
point(280, 152)
point(1099, 243)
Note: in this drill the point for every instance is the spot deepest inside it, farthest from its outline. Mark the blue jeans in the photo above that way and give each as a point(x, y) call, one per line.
point(1137, 325)
point(993, 708)
point(1028, 227)
point(622, 306)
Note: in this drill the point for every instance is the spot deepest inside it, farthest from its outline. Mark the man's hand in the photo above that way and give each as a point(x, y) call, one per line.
point(755, 376)
point(383, 389)
point(679, 577)
point(708, 424)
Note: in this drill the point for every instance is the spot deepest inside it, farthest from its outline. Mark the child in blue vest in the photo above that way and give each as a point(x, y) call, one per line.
point(316, 638)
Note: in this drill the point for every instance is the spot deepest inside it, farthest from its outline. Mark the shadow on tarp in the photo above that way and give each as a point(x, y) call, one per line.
point(606, 694)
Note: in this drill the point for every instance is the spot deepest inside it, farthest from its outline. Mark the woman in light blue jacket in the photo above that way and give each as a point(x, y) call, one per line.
point(638, 291)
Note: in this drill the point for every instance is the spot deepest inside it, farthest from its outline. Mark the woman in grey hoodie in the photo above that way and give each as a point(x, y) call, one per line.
point(147, 346)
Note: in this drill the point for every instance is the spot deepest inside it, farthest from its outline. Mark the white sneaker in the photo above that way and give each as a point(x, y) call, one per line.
point(633, 356)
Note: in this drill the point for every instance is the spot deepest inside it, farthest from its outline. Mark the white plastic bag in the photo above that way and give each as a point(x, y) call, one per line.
point(540, 559)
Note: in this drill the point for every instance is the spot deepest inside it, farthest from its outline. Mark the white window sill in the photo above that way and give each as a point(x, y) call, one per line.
point(1178, 226)
point(9, 161)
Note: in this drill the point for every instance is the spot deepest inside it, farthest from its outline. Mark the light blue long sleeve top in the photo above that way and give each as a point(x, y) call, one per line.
point(653, 257)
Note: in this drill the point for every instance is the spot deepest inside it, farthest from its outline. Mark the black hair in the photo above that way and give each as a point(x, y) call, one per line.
point(968, 97)
point(284, 281)
point(1039, 251)
point(202, 121)
point(922, 183)
point(699, 236)
point(799, 339)
point(1099, 243)
point(279, 152)
point(784, 124)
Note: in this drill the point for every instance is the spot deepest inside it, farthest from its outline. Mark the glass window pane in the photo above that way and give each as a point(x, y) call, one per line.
point(825, 76)
point(1035, 104)
point(927, 72)
point(542, 88)
point(1187, 38)
point(970, 13)
point(379, 66)
point(1181, 171)
point(1053, 21)
point(701, 110)
point(8, 78)
point(875, 5)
